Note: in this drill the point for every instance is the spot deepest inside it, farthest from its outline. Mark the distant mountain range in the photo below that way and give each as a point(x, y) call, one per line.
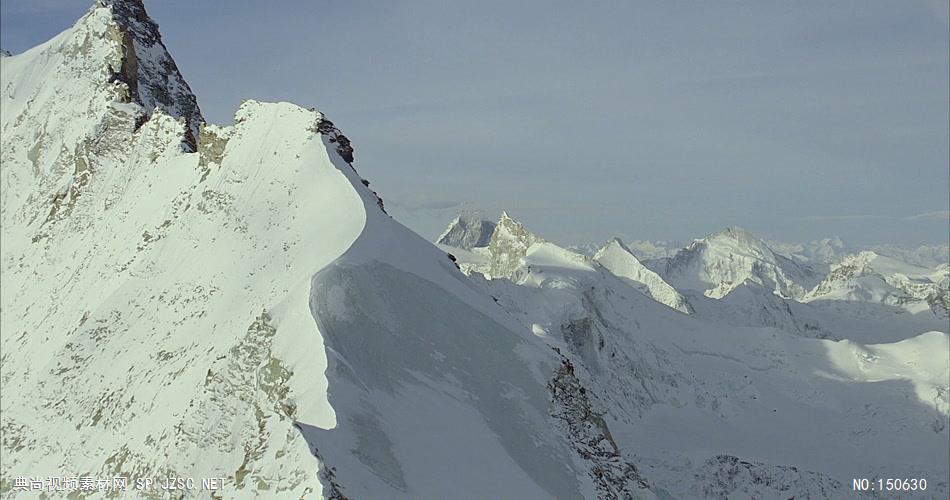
point(729, 334)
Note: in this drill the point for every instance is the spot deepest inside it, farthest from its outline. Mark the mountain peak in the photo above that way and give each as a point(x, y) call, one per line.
point(617, 258)
point(735, 233)
point(508, 246)
point(467, 231)
point(617, 242)
point(722, 261)
point(145, 66)
point(508, 228)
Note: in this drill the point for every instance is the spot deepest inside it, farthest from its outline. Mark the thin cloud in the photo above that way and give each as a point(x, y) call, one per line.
point(940, 10)
point(849, 217)
point(937, 215)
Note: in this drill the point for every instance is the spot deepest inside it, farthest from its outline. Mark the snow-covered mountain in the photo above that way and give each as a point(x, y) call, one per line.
point(191, 300)
point(717, 264)
point(511, 251)
point(869, 277)
point(708, 408)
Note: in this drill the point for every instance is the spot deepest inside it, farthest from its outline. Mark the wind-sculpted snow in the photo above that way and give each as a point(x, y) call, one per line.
point(438, 392)
point(411, 367)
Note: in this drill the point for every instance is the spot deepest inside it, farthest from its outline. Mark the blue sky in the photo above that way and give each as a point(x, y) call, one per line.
point(648, 120)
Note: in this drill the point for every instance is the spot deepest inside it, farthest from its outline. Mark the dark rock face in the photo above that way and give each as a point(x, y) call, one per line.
point(343, 146)
point(726, 476)
point(613, 477)
point(467, 232)
point(149, 72)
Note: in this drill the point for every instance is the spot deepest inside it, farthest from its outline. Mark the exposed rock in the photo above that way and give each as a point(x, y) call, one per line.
point(613, 477)
point(726, 476)
point(467, 231)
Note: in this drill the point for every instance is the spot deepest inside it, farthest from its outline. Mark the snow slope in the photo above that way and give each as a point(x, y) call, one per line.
point(440, 393)
point(619, 260)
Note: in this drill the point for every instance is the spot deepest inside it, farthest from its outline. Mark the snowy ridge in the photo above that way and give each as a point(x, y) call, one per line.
point(529, 260)
point(649, 250)
point(430, 356)
point(619, 260)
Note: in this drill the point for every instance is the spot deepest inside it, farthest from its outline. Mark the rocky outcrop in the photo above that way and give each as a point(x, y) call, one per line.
point(508, 246)
point(614, 477)
point(467, 231)
point(149, 73)
point(344, 148)
point(726, 476)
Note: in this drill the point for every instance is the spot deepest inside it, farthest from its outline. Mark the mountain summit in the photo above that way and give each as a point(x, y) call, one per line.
point(144, 66)
point(467, 231)
point(720, 262)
